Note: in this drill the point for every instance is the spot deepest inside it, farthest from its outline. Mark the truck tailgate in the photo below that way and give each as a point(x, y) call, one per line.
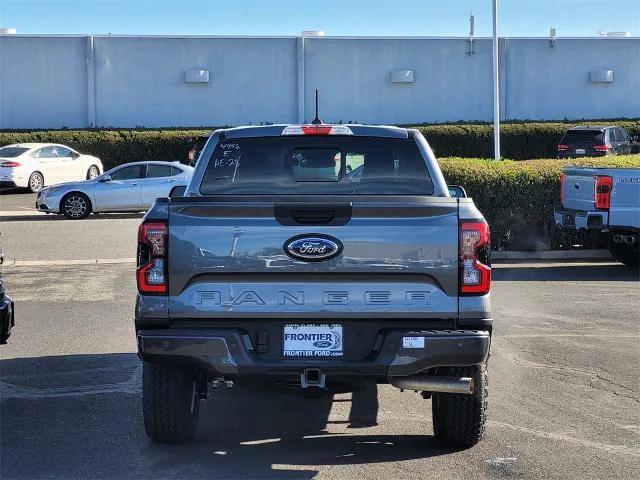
point(578, 189)
point(399, 259)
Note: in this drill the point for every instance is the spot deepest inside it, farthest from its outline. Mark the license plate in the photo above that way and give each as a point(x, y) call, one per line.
point(320, 340)
point(580, 151)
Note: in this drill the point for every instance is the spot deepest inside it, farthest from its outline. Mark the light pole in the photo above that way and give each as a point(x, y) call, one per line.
point(496, 86)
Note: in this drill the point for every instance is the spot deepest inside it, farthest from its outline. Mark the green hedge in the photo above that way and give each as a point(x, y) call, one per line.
point(518, 198)
point(519, 140)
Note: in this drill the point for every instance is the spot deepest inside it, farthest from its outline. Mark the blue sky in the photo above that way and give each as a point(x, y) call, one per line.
point(335, 17)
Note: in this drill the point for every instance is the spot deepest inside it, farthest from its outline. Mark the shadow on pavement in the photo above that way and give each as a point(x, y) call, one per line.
point(564, 272)
point(80, 416)
point(14, 191)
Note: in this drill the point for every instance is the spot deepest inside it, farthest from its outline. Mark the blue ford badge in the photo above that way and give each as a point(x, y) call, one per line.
point(312, 248)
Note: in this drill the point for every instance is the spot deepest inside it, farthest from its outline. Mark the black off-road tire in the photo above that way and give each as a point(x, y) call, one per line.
point(170, 402)
point(627, 254)
point(459, 419)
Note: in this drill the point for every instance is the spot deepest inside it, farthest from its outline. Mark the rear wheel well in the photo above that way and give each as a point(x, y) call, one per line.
point(39, 173)
point(90, 167)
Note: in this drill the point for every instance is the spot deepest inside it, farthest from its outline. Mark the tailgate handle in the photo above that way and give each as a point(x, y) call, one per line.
point(319, 214)
point(313, 217)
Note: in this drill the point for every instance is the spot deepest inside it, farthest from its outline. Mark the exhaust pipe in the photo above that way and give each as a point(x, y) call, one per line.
point(426, 383)
point(630, 239)
point(617, 238)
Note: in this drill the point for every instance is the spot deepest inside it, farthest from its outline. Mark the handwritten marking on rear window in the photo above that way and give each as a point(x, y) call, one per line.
point(226, 162)
point(228, 157)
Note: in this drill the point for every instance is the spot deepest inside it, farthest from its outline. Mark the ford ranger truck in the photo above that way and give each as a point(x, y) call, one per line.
point(319, 257)
point(603, 203)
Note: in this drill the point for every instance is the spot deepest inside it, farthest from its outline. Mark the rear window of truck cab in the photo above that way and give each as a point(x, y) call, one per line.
point(323, 165)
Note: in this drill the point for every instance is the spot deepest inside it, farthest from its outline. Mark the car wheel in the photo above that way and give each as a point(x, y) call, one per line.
point(170, 402)
point(75, 206)
point(93, 172)
point(36, 182)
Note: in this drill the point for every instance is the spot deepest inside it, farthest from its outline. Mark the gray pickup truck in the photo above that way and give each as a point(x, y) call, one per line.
point(605, 204)
point(278, 266)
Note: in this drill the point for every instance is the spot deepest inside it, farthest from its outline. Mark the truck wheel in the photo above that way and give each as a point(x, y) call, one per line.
point(459, 419)
point(170, 402)
point(624, 253)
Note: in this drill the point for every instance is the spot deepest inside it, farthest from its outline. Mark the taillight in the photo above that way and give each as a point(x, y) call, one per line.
point(562, 147)
point(600, 148)
point(603, 187)
point(317, 130)
point(561, 188)
point(474, 258)
point(151, 272)
point(10, 164)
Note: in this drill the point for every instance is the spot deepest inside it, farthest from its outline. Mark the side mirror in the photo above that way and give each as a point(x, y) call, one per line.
point(178, 191)
point(104, 178)
point(75, 154)
point(456, 191)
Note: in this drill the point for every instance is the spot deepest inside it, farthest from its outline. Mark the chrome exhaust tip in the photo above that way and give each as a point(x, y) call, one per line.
point(424, 383)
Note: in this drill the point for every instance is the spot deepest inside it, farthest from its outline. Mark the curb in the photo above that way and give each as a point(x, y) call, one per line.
point(16, 216)
point(59, 263)
point(553, 255)
point(21, 213)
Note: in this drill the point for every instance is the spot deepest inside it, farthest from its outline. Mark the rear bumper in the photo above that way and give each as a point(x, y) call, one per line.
point(230, 353)
point(584, 155)
point(581, 220)
point(7, 320)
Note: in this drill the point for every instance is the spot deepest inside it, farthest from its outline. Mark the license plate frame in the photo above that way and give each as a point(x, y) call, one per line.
point(317, 340)
point(581, 151)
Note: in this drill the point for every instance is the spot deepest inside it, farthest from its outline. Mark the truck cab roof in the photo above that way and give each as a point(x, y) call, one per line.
point(277, 130)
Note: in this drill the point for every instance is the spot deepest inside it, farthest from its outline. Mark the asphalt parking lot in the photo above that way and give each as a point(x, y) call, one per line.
point(564, 387)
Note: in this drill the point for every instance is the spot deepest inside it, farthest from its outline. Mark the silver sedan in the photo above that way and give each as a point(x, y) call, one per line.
point(127, 188)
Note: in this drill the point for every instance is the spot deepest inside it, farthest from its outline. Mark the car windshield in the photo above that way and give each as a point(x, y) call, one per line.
point(12, 152)
point(317, 165)
point(583, 136)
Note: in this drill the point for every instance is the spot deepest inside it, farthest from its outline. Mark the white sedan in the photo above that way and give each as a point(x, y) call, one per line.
point(132, 187)
point(35, 165)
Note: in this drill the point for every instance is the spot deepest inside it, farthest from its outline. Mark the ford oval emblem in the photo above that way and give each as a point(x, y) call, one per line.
point(312, 248)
